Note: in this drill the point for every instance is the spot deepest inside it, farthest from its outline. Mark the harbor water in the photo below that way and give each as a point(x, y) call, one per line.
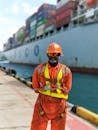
point(84, 89)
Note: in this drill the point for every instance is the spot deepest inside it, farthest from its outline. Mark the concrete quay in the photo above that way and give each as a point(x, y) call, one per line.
point(16, 103)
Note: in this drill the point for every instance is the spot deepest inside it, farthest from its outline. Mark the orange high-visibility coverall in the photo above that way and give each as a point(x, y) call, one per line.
point(46, 107)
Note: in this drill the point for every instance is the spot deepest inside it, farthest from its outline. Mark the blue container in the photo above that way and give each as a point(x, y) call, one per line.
point(42, 14)
point(29, 20)
point(45, 14)
point(33, 17)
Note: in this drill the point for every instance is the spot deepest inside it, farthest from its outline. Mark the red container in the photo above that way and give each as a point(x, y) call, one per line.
point(46, 6)
point(63, 22)
point(51, 21)
point(63, 17)
point(63, 14)
point(69, 5)
point(52, 13)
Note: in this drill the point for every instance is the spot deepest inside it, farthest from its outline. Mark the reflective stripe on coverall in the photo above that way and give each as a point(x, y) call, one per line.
point(47, 107)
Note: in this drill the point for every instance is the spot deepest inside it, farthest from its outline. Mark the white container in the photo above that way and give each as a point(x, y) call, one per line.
point(33, 23)
point(49, 28)
point(61, 3)
point(40, 30)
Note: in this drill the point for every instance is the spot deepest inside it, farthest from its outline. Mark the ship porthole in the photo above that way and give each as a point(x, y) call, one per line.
point(36, 50)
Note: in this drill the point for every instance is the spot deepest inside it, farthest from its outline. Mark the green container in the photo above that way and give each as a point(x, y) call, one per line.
point(21, 36)
point(43, 21)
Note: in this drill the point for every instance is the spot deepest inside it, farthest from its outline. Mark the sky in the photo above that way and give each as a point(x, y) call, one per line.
point(13, 15)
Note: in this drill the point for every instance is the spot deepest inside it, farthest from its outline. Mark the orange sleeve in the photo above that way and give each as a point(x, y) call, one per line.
point(35, 83)
point(67, 81)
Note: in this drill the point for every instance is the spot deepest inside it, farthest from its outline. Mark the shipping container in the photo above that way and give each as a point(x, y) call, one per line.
point(27, 39)
point(46, 6)
point(30, 18)
point(50, 28)
point(60, 3)
point(20, 35)
point(41, 22)
point(69, 5)
point(51, 24)
point(63, 22)
point(63, 17)
point(45, 14)
point(27, 32)
point(33, 27)
point(51, 21)
point(33, 34)
point(29, 23)
point(64, 13)
point(33, 23)
point(42, 13)
point(8, 45)
point(40, 30)
point(11, 40)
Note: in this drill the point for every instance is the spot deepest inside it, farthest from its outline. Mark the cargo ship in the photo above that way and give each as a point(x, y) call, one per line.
point(71, 23)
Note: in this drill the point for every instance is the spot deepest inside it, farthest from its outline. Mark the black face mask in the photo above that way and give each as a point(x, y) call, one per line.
point(53, 61)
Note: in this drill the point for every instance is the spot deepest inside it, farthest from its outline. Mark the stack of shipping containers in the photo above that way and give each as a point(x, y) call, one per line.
point(30, 31)
point(20, 35)
point(47, 18)
point(33, 22)
point(43, 14)
point(9, 44)
point(64, 11)
point(51, 23)
point(27, 29)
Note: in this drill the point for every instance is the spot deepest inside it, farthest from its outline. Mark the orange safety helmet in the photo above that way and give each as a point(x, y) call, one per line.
point(54, 48)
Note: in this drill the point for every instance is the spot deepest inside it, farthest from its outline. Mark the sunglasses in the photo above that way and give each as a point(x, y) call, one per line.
point(53, 54)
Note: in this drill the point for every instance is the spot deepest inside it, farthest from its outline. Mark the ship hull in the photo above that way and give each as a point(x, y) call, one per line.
point(80, 48)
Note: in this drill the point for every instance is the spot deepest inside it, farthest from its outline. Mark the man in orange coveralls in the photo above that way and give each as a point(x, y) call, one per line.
point(53, 81)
